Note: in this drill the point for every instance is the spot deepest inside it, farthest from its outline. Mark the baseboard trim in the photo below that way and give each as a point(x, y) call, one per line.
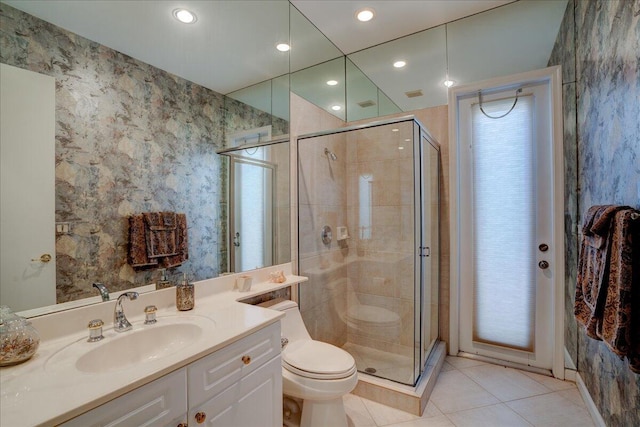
point(568, 361)
point(591, 406)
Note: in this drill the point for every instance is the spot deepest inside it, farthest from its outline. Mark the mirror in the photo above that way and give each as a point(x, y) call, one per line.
point(259, 206)
point(137, 126)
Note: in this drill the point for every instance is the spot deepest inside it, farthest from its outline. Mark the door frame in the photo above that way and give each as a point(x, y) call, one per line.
point(552, 76)
point(271, 167)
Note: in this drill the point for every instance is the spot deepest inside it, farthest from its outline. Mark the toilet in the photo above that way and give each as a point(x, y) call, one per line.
point(314, 371)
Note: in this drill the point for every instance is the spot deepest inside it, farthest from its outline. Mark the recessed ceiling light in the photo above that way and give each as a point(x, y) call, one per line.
point(407, 140)
point(449, 83)
point(399, 64)
point(283, 47)
point(394, 130)
point(401, 148)
point(365, 15)
point(336, 107)
point(332, 82)
point(185, 16)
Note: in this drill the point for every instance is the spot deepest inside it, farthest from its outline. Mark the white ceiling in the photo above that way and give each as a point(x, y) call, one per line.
point(231, 46)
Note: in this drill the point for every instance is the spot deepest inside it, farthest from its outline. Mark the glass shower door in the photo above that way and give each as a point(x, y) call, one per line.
point(365, 290)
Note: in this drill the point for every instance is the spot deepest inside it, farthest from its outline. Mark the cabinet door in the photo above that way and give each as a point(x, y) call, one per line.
point(212, 374)
point(255, 400)
point(159, 403)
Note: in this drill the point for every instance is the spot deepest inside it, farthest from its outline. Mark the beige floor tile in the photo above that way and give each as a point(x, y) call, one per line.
point(551, 410)
point(505, 383)
point(454, 391)
point(357, 413)
point(573, 394)
point(440, 421)
point(385, 415)
point(463, 362)
point(488, 416)
point(431, 411)
point(447, 367)
point(550, 382)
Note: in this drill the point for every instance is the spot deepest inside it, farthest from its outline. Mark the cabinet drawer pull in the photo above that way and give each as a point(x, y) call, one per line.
point(200, 417)
point(183, 425)
point(246, 359)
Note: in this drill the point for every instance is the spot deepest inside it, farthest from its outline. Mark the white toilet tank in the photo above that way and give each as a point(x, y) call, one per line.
point(292, 325)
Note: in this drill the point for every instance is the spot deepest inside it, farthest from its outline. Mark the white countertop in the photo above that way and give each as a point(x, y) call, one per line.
point(36, 393)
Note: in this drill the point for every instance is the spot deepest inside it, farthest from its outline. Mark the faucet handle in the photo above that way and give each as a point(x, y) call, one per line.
point(95, 330)
point(150, 314)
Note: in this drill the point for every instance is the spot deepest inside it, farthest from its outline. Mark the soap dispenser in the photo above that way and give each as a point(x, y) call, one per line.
point(185, 294)
point(164, 281)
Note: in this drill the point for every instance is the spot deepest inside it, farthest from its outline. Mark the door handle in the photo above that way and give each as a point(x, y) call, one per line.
point(236, 240)
point(44, 258)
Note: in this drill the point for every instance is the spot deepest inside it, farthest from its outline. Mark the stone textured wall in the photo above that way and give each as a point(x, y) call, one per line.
point(129, 138)
point(602, 92)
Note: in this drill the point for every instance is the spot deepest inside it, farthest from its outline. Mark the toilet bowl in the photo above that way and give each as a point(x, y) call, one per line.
point(314, 371)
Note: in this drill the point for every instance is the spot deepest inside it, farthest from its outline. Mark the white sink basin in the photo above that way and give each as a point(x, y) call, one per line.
point(143, 343)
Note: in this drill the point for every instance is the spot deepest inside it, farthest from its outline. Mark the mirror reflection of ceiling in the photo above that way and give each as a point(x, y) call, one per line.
point(393, 18)
point(510, 39)
point(485, 38)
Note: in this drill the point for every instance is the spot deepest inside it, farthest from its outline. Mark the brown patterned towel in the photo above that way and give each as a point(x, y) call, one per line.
point(158, 239)
point(182, 246)
point(161, 234)
point(620, 324)
point(591, 286)
point(138, 243)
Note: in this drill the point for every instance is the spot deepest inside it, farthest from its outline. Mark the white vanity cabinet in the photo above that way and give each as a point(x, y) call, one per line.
point(237, 386)
point(240, 385)
point(162, 402)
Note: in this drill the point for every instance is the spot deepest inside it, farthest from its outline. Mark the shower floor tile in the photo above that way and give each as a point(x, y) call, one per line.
point(470, 399)
point(387, 365)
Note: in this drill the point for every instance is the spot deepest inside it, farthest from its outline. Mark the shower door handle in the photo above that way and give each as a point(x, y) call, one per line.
point(236, 240)
point(424, 251)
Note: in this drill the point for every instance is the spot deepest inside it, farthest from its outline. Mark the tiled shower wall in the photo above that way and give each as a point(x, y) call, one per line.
point(129, 138)
point(598, 49)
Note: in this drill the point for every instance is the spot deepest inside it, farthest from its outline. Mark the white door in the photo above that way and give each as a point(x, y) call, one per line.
point(27, 188)
point(505, 213)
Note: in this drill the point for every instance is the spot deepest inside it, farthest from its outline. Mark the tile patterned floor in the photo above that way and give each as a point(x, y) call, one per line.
point(470, 393)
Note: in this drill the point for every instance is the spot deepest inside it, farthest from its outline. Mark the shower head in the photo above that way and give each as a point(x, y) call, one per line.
point(330, 154)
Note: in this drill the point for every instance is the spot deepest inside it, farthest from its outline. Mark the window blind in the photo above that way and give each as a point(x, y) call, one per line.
point(504, 224)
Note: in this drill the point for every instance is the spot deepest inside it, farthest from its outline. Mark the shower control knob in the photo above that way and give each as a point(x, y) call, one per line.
point(543, 265)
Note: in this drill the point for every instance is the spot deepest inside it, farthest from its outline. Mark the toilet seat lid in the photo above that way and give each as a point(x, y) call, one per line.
point(316, 359)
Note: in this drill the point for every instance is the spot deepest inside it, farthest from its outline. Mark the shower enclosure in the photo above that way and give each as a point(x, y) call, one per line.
point(368, 203)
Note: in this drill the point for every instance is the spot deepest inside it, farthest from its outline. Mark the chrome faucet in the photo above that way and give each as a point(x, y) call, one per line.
point(120, 322)
point(104, 292)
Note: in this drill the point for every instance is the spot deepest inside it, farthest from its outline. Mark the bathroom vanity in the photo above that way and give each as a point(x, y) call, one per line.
point(239, 385)
point(218, 364)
